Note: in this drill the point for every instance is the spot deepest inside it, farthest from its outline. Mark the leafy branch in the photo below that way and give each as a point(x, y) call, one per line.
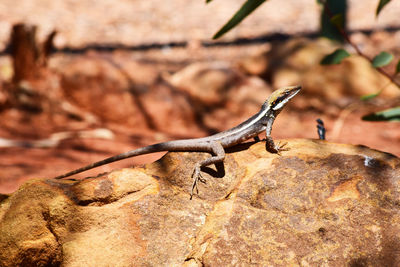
point(379, 61)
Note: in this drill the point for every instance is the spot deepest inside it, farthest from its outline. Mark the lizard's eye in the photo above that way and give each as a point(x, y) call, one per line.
point(280, 101)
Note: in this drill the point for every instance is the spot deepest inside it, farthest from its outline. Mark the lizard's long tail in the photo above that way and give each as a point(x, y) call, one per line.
point(132, 153)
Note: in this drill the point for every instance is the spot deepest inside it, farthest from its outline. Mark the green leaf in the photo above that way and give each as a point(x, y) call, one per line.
point(398, 67)
point(208, 1)
point(338, 20)
point(335, 58)
point(382, 59)
point(370, 96)
point(248, 7)
point(392, 114)
point(381, 4)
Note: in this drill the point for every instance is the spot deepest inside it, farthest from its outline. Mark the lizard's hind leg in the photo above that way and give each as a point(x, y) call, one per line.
point(219, 155)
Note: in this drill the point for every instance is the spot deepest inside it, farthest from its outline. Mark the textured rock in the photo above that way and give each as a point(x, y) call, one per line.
point(319, 204)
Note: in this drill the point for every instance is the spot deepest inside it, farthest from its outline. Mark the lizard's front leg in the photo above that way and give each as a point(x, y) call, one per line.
point(219, 156)
point(270, 145)
point(274, 148)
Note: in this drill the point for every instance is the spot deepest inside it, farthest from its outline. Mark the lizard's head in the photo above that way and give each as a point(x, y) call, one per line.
point(278, 99)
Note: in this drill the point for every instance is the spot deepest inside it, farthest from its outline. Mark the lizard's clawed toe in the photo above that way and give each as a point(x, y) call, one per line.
point(197, 177)
point(281, 147)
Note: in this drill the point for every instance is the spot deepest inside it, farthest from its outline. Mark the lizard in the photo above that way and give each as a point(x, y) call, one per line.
point(215, 144)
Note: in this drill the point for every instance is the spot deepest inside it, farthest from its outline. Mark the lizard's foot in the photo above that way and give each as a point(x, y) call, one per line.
point(276, 147)
point(196, 176)
point(280, 147)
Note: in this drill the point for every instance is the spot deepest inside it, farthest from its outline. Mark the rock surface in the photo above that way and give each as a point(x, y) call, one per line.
point(318, 204)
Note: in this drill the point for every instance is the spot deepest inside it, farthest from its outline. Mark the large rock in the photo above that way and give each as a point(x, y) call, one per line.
point(318, 204)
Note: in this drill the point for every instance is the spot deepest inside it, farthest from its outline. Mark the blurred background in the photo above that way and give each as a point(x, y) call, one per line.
point(84, 80)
